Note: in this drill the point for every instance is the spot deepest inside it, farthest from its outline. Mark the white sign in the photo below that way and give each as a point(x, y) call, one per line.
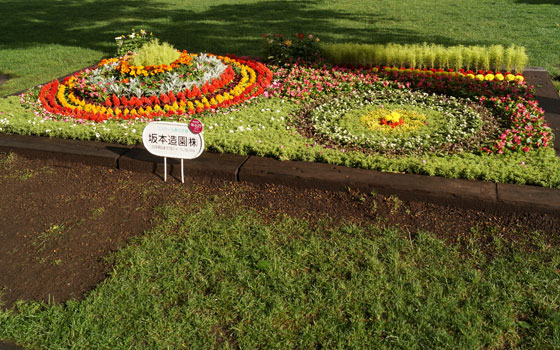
point(173, 140)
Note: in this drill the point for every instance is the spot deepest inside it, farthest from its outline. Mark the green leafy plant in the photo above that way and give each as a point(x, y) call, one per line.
point(131, 42)
point(428, 56)
point(496, 55)
point(286, 49)
point(154, 53)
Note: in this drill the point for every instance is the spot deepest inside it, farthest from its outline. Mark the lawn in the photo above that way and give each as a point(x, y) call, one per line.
point(287, 284)
point(43, 40)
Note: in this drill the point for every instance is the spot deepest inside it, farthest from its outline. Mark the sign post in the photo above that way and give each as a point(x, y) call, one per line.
point(174, 140)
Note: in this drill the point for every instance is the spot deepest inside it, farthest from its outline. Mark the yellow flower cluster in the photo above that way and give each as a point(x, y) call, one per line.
point(487, 76)
point(393, 117)
point(373, 120)
point(125, 68)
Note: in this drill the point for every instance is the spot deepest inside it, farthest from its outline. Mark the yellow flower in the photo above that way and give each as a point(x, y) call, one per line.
point(288, 42)
point(510, 77)
point(393, 117)
point(499, 76)
point(519, 78)
point(489, 77)
point(480, 77)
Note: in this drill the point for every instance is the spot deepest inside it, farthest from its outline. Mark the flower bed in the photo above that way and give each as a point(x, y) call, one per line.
point(432, 122)
point(394, 121)
point(520, 121)
point(115, 89)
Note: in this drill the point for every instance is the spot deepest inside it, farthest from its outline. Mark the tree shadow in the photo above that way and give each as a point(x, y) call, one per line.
point(230, 28)
point(538, 2)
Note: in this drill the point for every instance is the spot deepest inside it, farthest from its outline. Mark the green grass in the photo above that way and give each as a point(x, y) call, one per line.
point(7, 160)
point(53, 233)
point(42, 40)
point(201, 280)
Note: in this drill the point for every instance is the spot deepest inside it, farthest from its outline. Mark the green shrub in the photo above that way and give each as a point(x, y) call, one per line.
point(520, 58)
point(428, 56)
point(131, 42)
point(154, 53)
point(283, 49)
point(496, 55)
point(456, 57)
point(442, 56)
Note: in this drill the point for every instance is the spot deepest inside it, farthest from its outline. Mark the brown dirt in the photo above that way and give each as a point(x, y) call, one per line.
point(60, 221)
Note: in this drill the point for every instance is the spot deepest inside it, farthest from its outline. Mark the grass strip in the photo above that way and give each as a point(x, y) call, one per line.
point(221, 277)
point(262, 128)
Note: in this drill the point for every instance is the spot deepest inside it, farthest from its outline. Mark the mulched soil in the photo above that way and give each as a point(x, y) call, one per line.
point(60, 221)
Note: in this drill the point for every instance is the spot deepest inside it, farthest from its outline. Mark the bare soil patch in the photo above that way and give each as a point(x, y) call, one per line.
point(60, 221)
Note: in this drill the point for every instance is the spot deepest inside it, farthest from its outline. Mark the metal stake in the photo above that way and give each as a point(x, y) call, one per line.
point(165, 169)
point(182, 172)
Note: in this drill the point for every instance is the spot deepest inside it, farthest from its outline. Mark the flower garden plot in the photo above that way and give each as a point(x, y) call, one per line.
point(399, 122)
point(115, 89)
point(451, 124)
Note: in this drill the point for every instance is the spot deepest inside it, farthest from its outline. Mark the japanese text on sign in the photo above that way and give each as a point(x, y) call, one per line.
point(174, 140)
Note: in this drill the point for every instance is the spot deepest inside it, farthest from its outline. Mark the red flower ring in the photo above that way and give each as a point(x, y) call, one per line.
point(240, 81)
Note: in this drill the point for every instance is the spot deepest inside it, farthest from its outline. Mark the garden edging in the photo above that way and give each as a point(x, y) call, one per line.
point(457, 192)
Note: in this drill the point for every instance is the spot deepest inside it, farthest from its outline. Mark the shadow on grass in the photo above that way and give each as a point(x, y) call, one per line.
point(538, 2)
point(228, 28)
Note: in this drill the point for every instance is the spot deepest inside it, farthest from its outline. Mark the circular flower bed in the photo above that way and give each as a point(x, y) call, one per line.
point(522, 126)
point(115, 89)
point(398, 122)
